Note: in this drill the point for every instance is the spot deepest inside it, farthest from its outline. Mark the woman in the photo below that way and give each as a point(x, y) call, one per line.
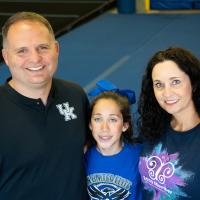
point(169, 108)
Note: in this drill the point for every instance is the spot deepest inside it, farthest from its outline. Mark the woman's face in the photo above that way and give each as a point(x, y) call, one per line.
point(172, 88)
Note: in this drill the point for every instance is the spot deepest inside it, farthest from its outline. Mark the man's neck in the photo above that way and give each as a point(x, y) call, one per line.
point(34, 92)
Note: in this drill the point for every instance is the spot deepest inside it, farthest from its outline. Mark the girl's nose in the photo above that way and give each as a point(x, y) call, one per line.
point(105, 126)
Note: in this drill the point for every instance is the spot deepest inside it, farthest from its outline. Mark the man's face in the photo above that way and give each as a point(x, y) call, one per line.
point(31, 54)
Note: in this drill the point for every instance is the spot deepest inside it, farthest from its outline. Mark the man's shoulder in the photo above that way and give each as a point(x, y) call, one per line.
point(69, 89)
point(2, 89)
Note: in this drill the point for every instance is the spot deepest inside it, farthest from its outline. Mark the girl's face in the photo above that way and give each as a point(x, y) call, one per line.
point(107, 126)
point(172, 88)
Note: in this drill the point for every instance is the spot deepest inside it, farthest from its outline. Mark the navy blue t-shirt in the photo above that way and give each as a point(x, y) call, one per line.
point(170, 169)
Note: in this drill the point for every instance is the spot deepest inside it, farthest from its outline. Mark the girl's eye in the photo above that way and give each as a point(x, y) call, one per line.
point(113, 120)
point(97, 119)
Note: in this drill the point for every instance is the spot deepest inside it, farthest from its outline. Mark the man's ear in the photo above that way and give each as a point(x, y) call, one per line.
point(5, 55)
point(57, 46)
point(125, 126)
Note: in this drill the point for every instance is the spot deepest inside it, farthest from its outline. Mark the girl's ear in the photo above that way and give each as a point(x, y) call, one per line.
point(90, 126)
point(125, 126)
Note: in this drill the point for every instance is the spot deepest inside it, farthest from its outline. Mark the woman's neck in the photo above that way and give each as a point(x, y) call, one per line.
point(186, 122)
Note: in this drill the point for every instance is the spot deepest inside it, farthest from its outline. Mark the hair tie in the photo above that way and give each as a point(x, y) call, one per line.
point(104, 86)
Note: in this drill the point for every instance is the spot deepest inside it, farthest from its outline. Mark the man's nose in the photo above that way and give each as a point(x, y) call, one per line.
point(35, 56)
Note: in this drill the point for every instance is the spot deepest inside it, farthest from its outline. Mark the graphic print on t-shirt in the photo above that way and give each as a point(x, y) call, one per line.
point(162, 174)
point(103, 186)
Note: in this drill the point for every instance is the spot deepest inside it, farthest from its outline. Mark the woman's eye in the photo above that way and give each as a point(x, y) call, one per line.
point(176, 82)
point(158, 85)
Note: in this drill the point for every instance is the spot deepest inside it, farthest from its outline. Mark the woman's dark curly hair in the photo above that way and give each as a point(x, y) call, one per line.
point(124, 105)
point(153, 118)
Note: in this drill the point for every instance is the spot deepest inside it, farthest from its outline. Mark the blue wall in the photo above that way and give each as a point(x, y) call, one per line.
point(117, 47)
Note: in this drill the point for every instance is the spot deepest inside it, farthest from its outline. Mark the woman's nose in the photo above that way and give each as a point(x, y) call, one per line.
point(167, 91)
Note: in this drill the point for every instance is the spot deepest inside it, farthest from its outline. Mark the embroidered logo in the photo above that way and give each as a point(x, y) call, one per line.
point(66, 111)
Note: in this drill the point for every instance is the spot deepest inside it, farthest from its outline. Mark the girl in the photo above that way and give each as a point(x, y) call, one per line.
point(112, 161)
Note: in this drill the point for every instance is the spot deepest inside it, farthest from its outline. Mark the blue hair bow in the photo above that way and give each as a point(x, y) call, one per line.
point(103, 86)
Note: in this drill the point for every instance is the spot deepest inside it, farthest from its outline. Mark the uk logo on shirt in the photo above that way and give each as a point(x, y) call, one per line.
point(162, 174)
point(67, 111)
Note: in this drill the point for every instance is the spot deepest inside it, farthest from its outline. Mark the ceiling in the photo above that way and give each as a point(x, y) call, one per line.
point(63, 15)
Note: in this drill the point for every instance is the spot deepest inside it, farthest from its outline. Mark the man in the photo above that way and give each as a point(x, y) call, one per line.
point(43, 119)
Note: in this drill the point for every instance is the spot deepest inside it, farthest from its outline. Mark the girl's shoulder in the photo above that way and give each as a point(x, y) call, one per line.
point(136, 147)
point(90, 151)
